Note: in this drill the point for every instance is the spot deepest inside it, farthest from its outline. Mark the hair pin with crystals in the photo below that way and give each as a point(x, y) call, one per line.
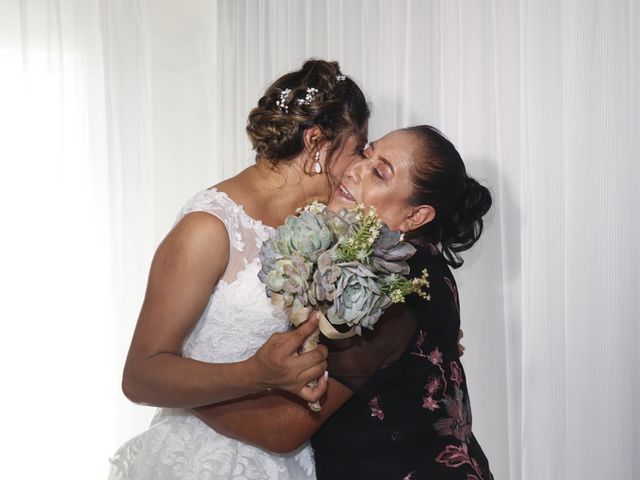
point(282, 103)
point(308, 98)
point(340, 78)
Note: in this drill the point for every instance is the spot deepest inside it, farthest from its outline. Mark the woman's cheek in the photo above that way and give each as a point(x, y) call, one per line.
point(337, 168)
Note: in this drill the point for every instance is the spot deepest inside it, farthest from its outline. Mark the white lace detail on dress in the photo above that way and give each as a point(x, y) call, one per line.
point(237, 321)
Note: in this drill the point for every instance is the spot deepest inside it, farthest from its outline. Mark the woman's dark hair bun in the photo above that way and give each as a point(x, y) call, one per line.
point(440, 179)
point(464, 225)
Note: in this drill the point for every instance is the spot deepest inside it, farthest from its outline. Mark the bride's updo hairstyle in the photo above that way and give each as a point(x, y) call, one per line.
point(440, 180)
point(317, 94)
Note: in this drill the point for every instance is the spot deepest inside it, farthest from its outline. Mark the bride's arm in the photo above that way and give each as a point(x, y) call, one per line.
point(280, 422)
point(276, 421)
point(185, 269)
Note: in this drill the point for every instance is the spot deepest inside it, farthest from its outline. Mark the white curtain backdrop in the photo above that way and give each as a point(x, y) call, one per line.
point(114, 112)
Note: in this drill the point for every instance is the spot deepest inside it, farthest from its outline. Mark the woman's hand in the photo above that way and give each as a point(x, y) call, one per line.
point(277, 364)
point(184, 272)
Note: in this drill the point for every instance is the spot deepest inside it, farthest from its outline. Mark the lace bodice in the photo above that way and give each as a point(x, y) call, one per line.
point(238, 319)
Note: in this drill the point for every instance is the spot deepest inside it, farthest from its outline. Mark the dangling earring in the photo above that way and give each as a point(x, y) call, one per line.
point(316, 166)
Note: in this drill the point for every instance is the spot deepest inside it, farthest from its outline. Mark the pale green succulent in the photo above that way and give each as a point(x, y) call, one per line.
point(323, 287)
point(358, 298)
point(307, 235)
point(346, 263)
point(269, 255)
point(340, 222)
point(290, 277)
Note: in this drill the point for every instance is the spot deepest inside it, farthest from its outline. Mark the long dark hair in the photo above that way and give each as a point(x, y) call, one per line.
point(440, 180)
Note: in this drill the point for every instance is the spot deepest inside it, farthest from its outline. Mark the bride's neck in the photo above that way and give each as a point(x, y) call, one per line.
point(283, 188)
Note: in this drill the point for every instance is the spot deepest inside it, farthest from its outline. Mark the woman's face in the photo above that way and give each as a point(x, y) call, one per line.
point(380, 177)
point(349, 151)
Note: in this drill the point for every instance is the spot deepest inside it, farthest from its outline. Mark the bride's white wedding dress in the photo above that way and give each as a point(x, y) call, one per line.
point(237, 321)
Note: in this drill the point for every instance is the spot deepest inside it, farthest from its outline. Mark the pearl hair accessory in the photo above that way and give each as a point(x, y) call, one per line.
point(308, 98)
point(282, 103)
point(311, 92)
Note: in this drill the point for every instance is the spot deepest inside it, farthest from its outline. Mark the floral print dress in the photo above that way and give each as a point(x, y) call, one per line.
point(410, 419)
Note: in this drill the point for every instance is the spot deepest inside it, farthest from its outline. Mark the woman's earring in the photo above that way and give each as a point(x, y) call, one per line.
point(316, 166)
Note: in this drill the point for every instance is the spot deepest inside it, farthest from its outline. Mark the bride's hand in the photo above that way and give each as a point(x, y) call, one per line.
point(277, 364)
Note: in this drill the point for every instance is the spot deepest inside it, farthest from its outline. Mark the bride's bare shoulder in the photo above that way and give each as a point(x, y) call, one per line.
point(243, 190)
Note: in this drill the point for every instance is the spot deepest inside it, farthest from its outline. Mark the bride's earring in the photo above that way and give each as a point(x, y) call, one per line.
point(316, 166)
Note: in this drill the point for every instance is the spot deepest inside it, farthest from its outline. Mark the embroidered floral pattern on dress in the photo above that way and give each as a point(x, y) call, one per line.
point(375, 409)
point(432, 386)
point(422, 335)
point(237, 321)
point(430, 403)
point(456, 374)
point(455, 456)
point(457, 422)
point(435, 356)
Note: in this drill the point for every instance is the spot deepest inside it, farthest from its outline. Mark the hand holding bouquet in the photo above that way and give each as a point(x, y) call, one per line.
point(347, 265)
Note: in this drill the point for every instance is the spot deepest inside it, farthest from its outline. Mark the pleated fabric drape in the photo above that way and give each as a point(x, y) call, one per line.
point(117, 111)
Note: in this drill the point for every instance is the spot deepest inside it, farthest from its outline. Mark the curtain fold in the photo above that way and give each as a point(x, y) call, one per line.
point(114, 112)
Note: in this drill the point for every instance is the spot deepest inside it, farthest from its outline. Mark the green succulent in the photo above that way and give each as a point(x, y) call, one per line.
point(346, 263)
point(307, 235)
point(269, 255)
point(358, 298)
point(323, 287)
point(341, 222)
point(290, 277)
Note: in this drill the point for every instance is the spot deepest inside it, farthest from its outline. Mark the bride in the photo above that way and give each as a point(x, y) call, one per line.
point(207, 333)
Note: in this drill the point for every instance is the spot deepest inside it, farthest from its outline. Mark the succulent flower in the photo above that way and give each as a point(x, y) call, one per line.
point(290, 277)
point(269, 255)
point(323, 287)
point(390, 252)
point(346, 263)
point(341, 221)
point(358, 298)
point(307, 235)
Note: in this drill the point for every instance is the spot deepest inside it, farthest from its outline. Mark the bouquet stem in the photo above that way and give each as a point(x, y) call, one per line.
point(309, 344)
point(297, 316)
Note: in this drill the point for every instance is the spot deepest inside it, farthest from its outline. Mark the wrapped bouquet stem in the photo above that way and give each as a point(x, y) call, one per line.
point(347, 265)
point(297, 316)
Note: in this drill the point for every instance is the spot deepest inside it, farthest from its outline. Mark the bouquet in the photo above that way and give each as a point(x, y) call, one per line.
point(348, 265)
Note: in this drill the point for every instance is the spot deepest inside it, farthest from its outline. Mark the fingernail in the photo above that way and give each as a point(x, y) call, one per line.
point(326, 374)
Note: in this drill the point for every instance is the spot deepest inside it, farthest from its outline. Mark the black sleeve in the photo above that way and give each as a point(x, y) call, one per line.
point(353, 360)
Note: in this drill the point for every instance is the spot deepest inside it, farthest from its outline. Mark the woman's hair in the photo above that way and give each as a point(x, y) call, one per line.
point(316, 95)
point(440, 180)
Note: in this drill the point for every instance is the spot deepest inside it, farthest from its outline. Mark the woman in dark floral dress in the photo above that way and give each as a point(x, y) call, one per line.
point(412, 418)
point(397, 405)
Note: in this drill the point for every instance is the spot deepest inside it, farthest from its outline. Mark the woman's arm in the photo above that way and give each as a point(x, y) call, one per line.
point(275, 421)
point(186, 268)
point(280, 422)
